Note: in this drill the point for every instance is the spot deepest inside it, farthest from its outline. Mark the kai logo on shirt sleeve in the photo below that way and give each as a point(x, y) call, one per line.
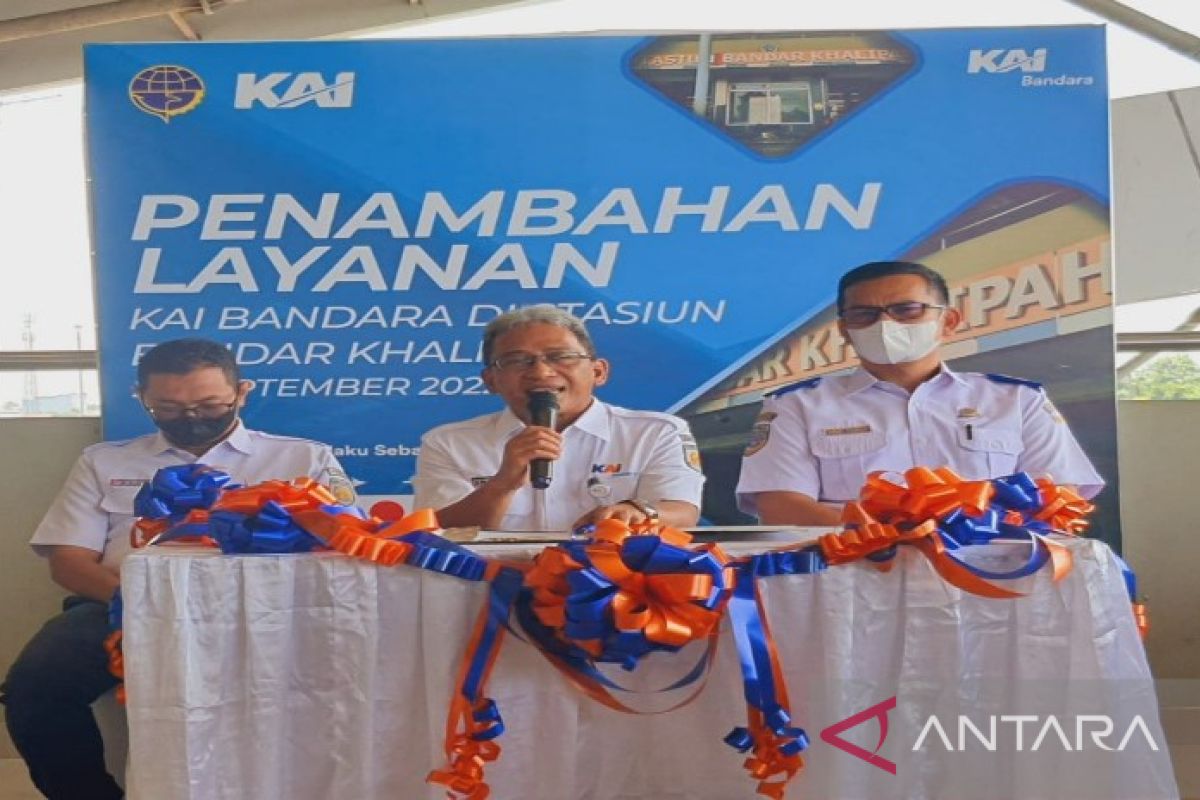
point(293, 89)
point(691, 453)
point(760, 433)
point(340, 486)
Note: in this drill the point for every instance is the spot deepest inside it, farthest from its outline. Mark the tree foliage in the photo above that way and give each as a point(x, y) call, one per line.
point(1169, 377)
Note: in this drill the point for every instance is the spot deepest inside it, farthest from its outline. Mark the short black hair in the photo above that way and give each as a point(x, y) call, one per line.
point(181, 356)
point(882, 269)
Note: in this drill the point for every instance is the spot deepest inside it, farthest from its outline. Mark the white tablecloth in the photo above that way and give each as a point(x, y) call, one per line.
point(317, 677)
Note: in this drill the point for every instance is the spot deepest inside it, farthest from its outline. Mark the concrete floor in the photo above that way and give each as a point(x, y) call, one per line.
point(14, 781)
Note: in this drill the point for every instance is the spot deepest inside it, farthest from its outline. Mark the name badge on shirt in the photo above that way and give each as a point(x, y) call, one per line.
point(968, 413)
point(117, 482)
point(848, 431)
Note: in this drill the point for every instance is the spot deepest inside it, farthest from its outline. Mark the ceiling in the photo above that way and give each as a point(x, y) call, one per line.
point(41, 40)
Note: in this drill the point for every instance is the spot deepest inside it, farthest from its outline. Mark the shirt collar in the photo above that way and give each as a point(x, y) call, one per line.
point(945, 374)
point(507, 423)
point(596, 421)
point(239, 440)
point(860, 379)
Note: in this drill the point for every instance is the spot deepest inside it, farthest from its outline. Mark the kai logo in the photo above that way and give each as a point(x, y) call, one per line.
point(293, 89)
point(606, 469)
point(1006, 61)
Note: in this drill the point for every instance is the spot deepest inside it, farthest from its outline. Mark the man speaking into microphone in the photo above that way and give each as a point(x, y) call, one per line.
point(555, 457)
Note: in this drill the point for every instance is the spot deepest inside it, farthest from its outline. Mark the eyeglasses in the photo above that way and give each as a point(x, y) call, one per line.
point(561, 360)
point(862, 316)
point(202, 410)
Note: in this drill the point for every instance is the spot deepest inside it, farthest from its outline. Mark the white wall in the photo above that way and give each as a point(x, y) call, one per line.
point(1158, 442)
point(38, 455)
point(1156, 195)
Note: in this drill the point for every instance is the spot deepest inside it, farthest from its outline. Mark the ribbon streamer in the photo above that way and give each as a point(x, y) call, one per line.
point(938, 512)
point(773, 742)
point(628, 590)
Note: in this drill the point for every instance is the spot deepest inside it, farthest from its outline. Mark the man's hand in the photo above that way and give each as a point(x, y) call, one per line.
point(675, 513)
point(487, 505)
point(532, 443)
point(79, 571)
point(794, 508)
point(622, 512)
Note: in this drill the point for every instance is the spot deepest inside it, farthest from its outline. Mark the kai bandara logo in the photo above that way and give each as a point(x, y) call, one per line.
point(293, 89)
point(1029, 64)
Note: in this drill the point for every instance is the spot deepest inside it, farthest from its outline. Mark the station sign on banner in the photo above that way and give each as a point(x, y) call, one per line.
point(347, 216)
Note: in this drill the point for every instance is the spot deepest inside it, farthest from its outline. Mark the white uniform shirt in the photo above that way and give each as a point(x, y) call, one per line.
point(609, 454)
point(822, 437)
point(94, 508)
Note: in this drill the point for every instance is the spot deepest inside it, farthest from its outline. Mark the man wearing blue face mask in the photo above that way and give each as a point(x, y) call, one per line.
point(816, 441)
point(192, 390)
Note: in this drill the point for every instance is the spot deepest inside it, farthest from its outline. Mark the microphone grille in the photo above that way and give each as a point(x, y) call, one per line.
point(543, 399)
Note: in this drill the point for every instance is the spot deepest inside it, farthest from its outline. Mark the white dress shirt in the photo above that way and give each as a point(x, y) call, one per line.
point(609, 454)
point(94, 508)
point(822, 437)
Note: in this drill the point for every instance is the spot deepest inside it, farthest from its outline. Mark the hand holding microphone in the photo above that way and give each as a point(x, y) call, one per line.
point(543, 412)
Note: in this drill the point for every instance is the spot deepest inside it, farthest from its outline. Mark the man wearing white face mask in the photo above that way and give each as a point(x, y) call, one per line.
point(816, 441)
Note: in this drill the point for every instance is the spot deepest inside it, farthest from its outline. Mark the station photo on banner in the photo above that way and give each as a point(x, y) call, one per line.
point(347, 216)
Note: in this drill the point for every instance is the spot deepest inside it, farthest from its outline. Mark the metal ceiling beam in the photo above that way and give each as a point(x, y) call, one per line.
point(73, 19)
point(1182, 42)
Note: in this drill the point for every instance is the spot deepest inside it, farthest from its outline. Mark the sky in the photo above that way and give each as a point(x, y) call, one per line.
point(43, 211)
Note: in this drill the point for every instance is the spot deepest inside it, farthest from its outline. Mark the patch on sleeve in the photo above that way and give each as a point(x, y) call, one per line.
point(340, 486)
point(691, 453)
point(760, 433)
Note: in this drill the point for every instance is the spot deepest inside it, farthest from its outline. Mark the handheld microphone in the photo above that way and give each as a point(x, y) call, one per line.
point(543, 411)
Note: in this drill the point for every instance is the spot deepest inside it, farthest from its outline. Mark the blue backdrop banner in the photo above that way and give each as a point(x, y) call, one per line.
point(347, 216)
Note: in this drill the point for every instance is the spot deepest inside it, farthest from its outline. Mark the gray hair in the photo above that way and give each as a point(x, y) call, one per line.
point(541, 314)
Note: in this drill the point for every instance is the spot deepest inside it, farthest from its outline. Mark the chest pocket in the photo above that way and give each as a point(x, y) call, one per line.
point(608, 489)
point(987, 452)
point(844, 461)
point(119, 500)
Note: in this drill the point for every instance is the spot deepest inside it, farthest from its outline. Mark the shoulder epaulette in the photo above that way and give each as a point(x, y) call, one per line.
point(998, 378)
point(811, 383)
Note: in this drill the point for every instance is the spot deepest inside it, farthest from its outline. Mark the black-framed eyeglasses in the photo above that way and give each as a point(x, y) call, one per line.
point(862, 316)
point(557, 359)
point(202, 410)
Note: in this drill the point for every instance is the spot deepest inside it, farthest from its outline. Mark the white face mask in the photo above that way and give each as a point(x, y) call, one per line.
point(891, 342)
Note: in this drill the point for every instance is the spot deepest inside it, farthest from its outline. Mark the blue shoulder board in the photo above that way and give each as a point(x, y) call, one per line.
point(811, 383)
point(998, 378)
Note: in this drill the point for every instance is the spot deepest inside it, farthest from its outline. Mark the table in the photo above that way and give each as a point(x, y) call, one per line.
point(317, 676)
